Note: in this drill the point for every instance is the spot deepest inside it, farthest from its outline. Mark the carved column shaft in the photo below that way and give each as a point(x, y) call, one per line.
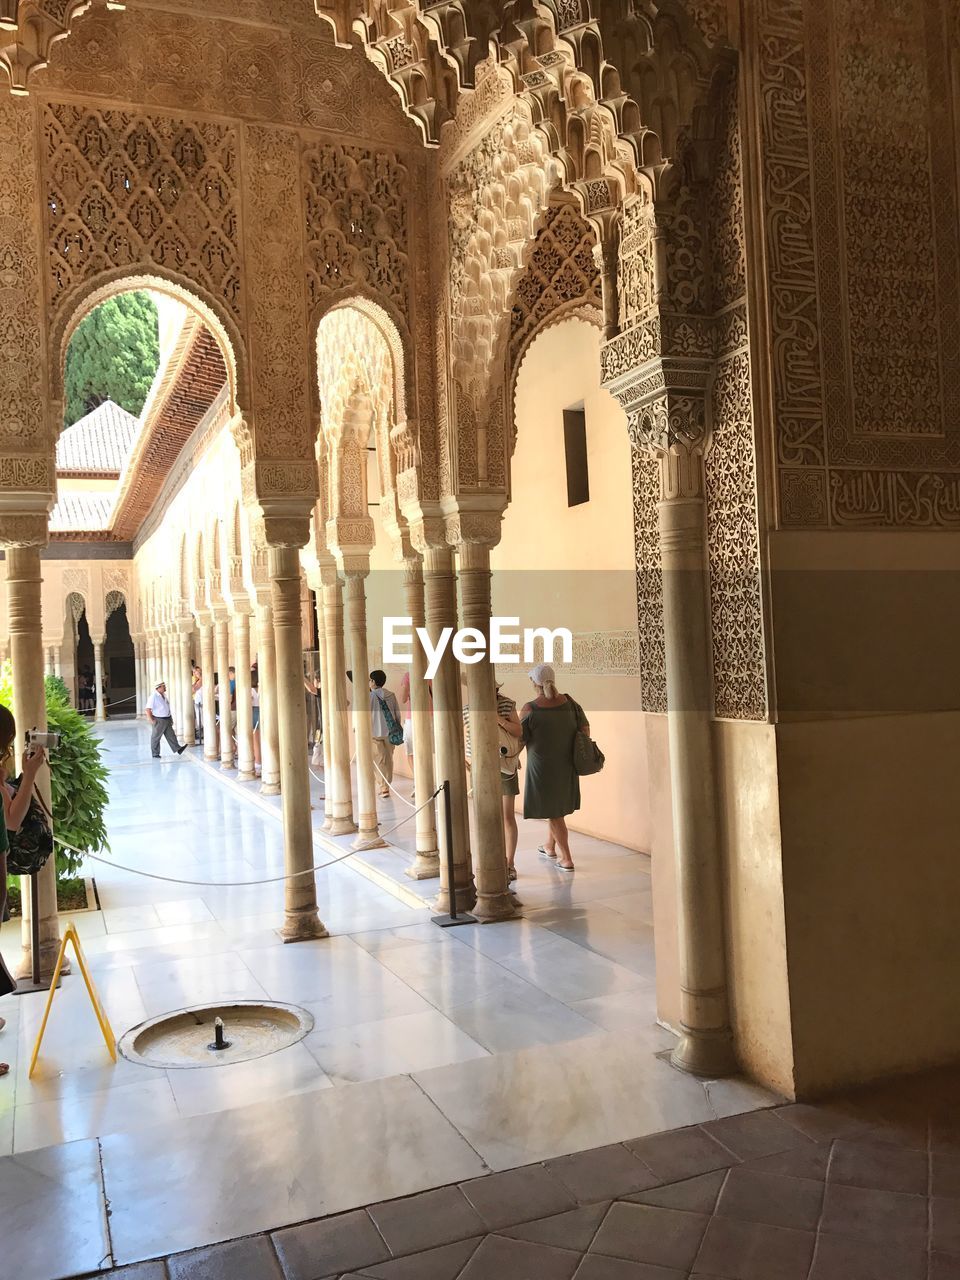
point(325, 710)
point(241, 652)
point(188, 732)
point(223, 681)
point(209, 692)
point(338, 781)
point(441, 611)
point(101, 713)
point(426, 865)
point(300, 894)
point(267, 682)
point(368, 780)
point(494, 899)
point(29, 712)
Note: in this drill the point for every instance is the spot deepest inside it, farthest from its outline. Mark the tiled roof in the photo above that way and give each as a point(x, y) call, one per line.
point(82, 512)
point(99, 443)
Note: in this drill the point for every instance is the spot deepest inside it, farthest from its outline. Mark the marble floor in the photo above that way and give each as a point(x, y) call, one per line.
point(436, 1055)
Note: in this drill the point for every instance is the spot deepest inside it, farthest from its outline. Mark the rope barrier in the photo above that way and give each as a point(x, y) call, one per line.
point(239, 884)
point(391, 786)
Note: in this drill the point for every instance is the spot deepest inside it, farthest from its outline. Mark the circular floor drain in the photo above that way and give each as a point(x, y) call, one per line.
point(192, 1037)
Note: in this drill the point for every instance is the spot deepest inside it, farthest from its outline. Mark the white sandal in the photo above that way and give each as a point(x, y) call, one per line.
point(545, 853)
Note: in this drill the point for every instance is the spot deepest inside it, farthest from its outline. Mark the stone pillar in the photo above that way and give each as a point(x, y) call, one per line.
point(269, 723)
point(223, 662)
point(706, 1044)
point(338, 780)
point(300, 895)
point(441, 611)
point(207, 664)
point(606, 254)
point(98, 678)
point(494, 898)
point(325, 720)
point(189, 731)
point(241, 652)
point(138, 677)
point(57, 664)
point(426, 864)
point(30, 712)
point(368, 780)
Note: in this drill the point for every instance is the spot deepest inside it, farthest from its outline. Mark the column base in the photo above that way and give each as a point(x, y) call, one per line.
point(369, 840)
point(327, 822)
point(342, 827)
point(425, 866)
point(303, 926)
point(246, 775)
point(211, 759)
point(709, 1054)
point(269, 788)
point(48, 962)
point(99, 719)
point(224, 765)
point(466, 899)
point(495, 906)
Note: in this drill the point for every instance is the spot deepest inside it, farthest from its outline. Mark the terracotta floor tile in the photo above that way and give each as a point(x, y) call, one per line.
point(501, 1259)
point(605, 1173)
point(809, 1161)
point(251, 1259)
point(945, 1174)
point(597, 1267)
point(945, 1232)
point(844, 1258)
point(573, 1230)
point(874, 1215)
point(645, 1233)
point(754, 1251)
point(425, 1221)
point(768, 1198)
point(879, 1167)
point(699, 1195)
point(944, 1266)
point(445, 1263)
point(518, 1195)
point(820, 1122)
point(313, 1249)
point(763, 1133)
point(682, 1154)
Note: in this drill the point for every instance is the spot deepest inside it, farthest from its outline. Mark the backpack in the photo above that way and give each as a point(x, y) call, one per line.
point(394, 727)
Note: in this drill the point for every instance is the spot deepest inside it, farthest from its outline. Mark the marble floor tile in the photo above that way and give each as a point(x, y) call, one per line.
point(202, 1090)
point(450, 976)
point(52, 1215)
point(567, 972)
point(391, 1046)
point(301, 1157)
point(509, 1020)
point(634, 1011)
point(556, 1099)
point(66, 1119)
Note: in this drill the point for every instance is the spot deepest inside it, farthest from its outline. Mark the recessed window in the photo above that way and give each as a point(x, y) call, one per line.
point(575, 449)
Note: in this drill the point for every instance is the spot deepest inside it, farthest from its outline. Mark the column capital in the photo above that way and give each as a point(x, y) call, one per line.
point(23, 529)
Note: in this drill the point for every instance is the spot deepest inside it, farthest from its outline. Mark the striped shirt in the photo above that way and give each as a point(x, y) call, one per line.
point(505, 707)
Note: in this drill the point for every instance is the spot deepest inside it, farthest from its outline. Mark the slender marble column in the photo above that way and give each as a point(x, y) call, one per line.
point(241, 652)
point(368, 780)
point(269, 723)
point(223, 662)
point(426, 864)
point(98, 677)
point(494, 899)
point(30, 712)
point(138, 678)
point(207, 663)
point(325, 720)
point(441, 611)
point(189, 734)
point(300, 895)
point(706, 1043)
point(338, 781)
point(57, 665)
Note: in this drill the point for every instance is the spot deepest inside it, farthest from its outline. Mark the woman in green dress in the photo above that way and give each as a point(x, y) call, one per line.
point(551, 721)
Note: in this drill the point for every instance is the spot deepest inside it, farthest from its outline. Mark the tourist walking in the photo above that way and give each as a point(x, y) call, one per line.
point(16, 802)
point(161, 718)
point(551, 721)
point(386, 727)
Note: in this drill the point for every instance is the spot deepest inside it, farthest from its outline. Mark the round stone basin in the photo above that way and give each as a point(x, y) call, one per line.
point(251, 1028)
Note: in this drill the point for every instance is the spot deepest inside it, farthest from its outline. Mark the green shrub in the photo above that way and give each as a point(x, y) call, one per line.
point(77, 775)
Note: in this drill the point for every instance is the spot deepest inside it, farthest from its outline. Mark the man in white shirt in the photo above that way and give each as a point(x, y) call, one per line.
point(160, 716)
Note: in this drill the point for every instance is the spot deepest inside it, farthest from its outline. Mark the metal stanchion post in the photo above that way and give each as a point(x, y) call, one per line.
point(455, 917)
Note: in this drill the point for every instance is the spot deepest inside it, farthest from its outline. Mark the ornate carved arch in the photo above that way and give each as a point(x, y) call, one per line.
point(111, 283)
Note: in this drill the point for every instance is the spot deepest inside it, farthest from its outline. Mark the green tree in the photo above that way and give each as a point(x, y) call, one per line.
point(112, 356)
